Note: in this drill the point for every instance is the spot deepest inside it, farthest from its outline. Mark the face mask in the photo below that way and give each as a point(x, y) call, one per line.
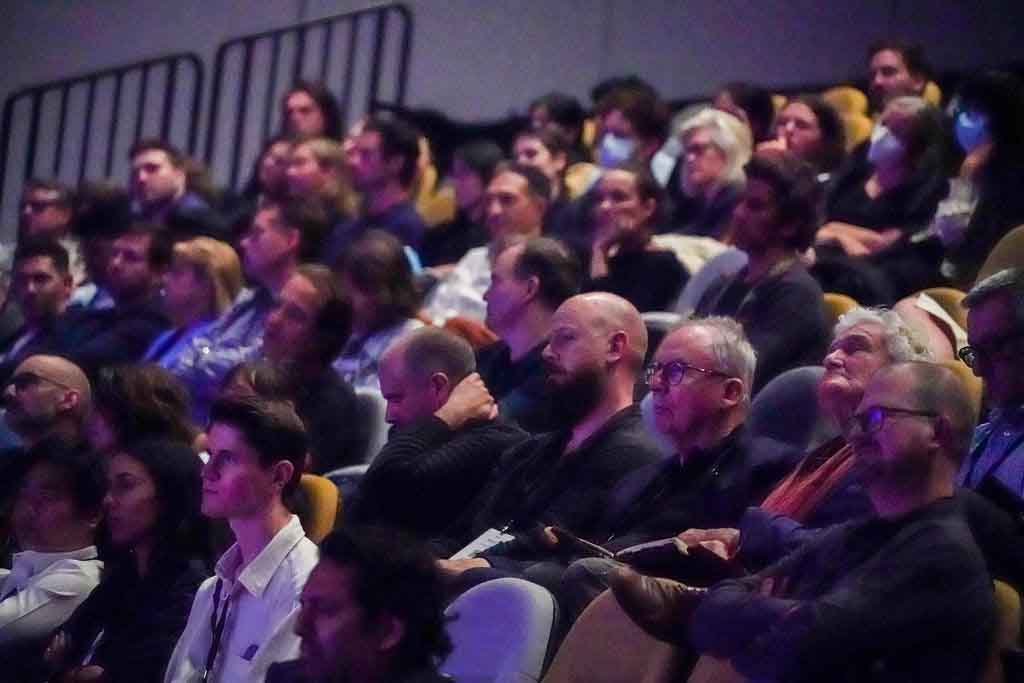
point(886, 149)
point(971, 130)
point(614, 150)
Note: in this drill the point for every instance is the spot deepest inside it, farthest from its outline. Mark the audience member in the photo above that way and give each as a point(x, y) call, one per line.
point(547, 152)
point(257, 449)
point(394, 628)
point(751, 105)
point(376, 275)
point(700, 385)
point(383, 166)
point(516, 201)
point(778, 303)
point(127, 627)
point(564, 478)
point(985, 202)
point(473, 166)
point(102, 212)
point(269, 173)
point(47, 212)
point(529, 281)
point(305, 330)
point(57, 508)
point(445, 440)
point(708, 178)
point(271, 250)
point(995, 332)
point(895, 69)
point(309, 109)
point(133, 403)
point(623, 258)
point(93, 338)
point(811, 129)
point(563, 114)
point(316, 171)
point(164, 191)
point(878, 203)
point(904, 596)
point(41, 286)
point(201, 284)
point(632, 124)
point(47, 396)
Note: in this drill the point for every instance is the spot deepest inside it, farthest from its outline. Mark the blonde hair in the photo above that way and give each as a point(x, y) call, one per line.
point(218, 263)
point(330, 154)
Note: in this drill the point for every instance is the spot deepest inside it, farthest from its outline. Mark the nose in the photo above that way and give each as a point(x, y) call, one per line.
point(210, 470)
point(108, 501)
point(833, 360)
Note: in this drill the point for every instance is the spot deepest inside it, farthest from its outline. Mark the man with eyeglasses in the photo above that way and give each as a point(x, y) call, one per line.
point(47, 396)
point(902, 596)
point(995, 334)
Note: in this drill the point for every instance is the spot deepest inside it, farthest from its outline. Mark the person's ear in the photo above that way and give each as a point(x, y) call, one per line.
point(532, 286)
point(283, 472)
point(441, 387)
point(293, 238)
point(389, 631)
point(648, 206)
point(732, 392)
point(69, 401)
point(618, 345)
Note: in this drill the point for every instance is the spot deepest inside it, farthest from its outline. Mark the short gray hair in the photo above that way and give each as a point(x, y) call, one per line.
point(429, 349)
point(901, 342)
point(733, 352)
point(728, 134)
point(1009, 281)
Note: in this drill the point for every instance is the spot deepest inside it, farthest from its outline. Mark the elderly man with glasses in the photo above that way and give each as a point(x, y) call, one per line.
point(995, 332)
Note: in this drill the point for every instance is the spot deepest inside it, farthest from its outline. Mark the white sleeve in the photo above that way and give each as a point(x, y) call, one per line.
point(46, 603)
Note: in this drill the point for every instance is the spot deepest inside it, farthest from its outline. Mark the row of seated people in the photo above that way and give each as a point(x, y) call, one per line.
point(880, 529)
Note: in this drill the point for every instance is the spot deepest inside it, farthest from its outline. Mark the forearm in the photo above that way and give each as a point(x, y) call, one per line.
point(733, 614)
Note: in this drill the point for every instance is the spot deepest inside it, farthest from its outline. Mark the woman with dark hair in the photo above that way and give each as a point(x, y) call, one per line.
point(989, 126)
point(136, 402)
point(127, 628)
point(750, 104)
point(375, 273)
point(309, 109)
point(473, 167)
point(565, 115)
point(811, 129)
point(268, 173)
point(623, 257)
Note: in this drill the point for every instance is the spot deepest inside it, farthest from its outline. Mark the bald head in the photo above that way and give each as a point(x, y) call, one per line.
point(47, 394)
point(608, 314)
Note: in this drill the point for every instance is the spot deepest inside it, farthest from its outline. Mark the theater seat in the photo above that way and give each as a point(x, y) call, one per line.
point(500, 632)
point(835, 306)
point(786, 409)
point(856, 128)
point(323, 504)
point(606, 646)
point(1008, 253)
point(846, 99)
point(975, 387)
point(1007, 634)
point(932, 94)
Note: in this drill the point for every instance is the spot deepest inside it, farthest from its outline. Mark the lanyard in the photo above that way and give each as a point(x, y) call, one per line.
point(217, 628)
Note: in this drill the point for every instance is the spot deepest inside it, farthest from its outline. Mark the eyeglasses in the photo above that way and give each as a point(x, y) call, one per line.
point(992, 347)
point(27, 380)
point(39, 205)
point(872, 420)
point(673, 372)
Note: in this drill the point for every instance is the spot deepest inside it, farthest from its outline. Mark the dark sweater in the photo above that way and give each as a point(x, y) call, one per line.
point(650, 280)
point(427, 474)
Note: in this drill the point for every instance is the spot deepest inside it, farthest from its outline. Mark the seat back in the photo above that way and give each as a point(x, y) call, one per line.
point(835, 305)
point(500, 632)
point(1007, 635)
point(606, 646)
point(1008, 253)
point(975, 387)
point(324, 501)
point(372, 411)
point(786, 409)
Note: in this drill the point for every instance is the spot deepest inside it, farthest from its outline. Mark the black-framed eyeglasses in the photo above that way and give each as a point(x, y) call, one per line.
point(27, 380)
point(673, 372)
point(970, 354)
point(872, 420)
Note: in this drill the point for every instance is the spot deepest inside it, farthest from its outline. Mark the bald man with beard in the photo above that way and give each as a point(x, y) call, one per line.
point(47, 395)
point(563, 478)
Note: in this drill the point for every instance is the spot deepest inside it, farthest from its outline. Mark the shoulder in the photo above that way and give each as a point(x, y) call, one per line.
point(297, 565)
point(70, 577)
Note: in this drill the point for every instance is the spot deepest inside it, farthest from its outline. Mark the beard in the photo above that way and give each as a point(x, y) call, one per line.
point(573, 397)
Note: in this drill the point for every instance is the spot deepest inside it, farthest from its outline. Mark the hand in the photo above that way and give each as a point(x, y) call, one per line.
point(469, 400)
point(778, 144)
point(56, 650)
point(85, 674)
point(451, 569)
point(722, 542)
point(855, 240)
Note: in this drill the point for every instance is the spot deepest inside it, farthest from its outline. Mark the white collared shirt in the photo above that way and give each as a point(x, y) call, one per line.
point(41, 590)
point(263, 604)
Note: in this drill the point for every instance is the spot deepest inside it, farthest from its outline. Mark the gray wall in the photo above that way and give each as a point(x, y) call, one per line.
point(478, 59)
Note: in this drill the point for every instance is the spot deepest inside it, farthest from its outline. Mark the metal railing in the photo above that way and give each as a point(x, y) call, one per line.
point(261, 67)
point(83, 126)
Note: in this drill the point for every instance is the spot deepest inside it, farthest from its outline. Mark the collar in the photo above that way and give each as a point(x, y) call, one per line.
point(257, 574)
point(29, 562)
point(711, 456)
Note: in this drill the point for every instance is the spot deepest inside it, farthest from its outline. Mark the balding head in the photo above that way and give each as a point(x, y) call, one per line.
point(47, 393)
point(611, 315)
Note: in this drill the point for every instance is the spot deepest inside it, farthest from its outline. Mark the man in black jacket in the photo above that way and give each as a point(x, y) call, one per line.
point(446, 435)
point(564, 478)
